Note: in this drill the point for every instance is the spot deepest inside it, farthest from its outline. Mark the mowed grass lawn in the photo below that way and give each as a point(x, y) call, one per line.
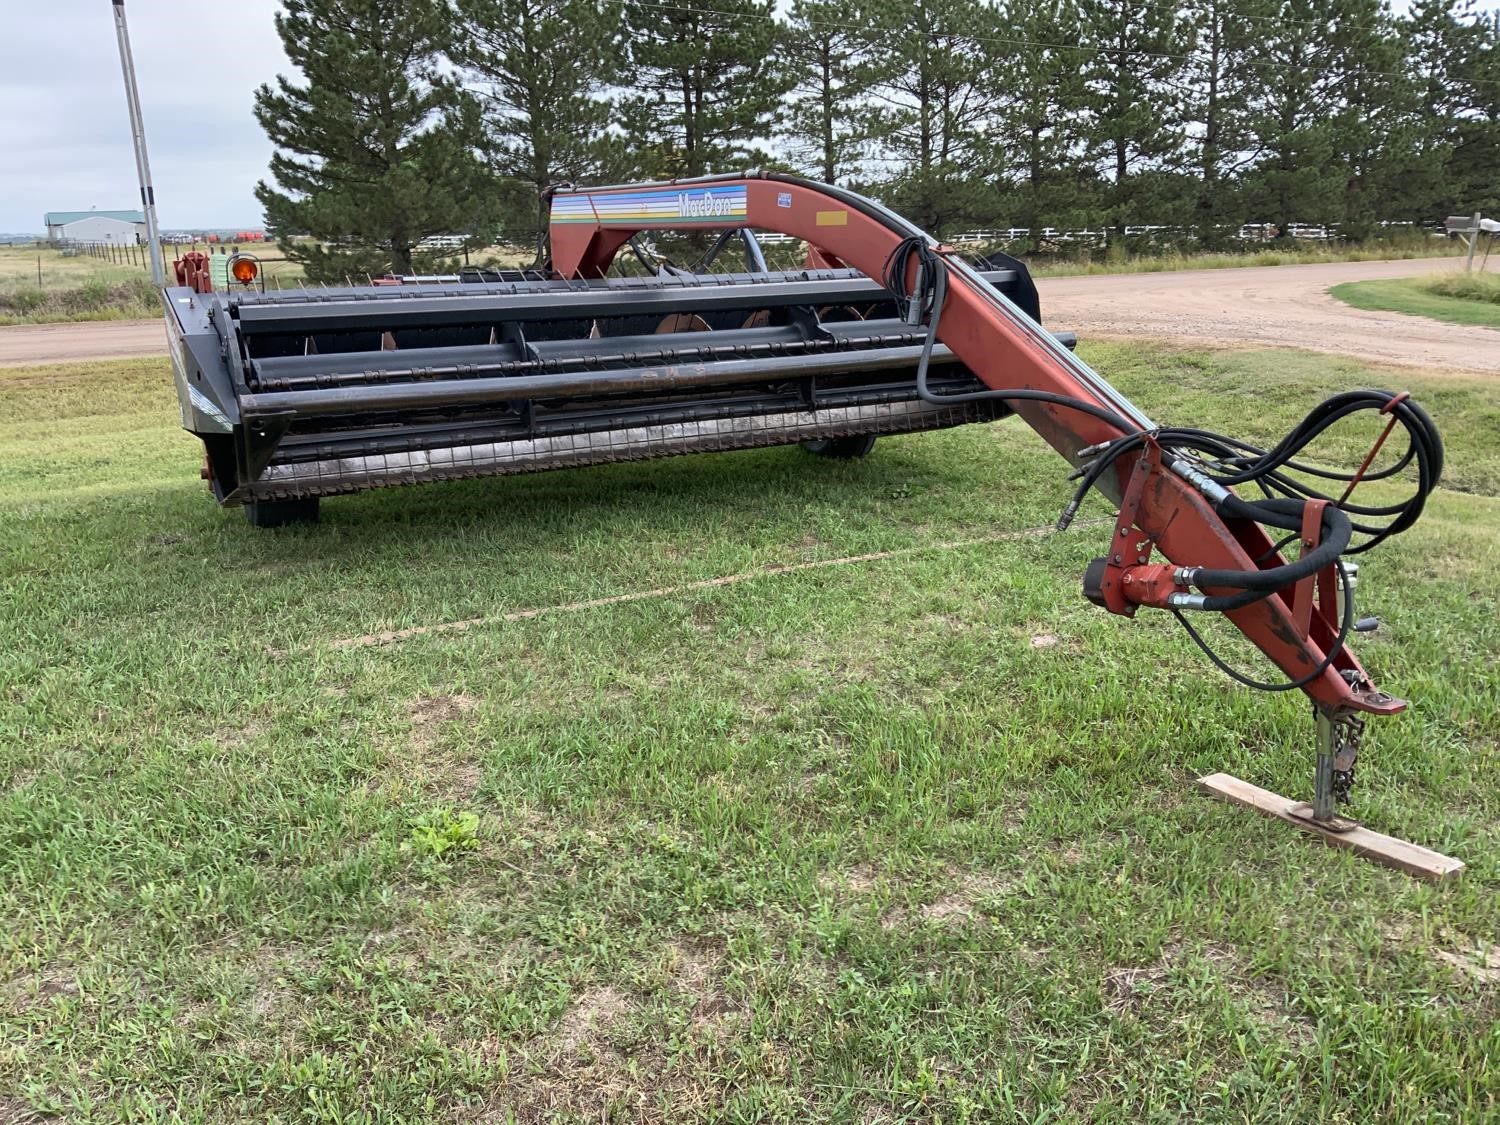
point(1415, 297)
point(905, 839)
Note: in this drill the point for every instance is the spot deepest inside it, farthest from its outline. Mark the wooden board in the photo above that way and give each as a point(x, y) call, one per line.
point(1411, 858)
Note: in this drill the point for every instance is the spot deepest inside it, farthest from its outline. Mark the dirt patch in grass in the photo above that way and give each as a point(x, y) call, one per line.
point(958, 905)
point(947, 621)
point(13, 1111)
point(697, 974)
point(1144, 991)
point(423, 761)
point(430, 711)
point(1126, 988)
point(1472, 960)
point(588, 1021)
point(580, 1074)
point(860, 880)
point(949, 906)
point(232, 738)
point(29, 991)
point(1480, 966)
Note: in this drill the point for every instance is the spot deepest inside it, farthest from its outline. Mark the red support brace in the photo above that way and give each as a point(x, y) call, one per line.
point(1160, 511)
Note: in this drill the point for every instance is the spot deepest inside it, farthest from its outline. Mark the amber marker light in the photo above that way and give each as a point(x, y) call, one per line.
point(245, 269)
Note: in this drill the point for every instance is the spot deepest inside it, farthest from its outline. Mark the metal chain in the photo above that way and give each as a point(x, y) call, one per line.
point(1348, 730)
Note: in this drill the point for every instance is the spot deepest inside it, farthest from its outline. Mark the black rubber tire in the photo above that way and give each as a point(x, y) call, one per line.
point(842, 448)
point(279, 513)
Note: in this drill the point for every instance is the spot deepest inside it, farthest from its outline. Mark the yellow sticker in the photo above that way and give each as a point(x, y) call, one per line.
point(833, 218)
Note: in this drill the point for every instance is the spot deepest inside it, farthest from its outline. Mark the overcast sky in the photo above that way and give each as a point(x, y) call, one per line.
point(64, 133)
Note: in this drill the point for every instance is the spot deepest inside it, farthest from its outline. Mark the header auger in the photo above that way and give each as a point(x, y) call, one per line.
point(303, 394)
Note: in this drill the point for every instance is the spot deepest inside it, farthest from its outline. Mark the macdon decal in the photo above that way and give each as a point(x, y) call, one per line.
point(667, 206)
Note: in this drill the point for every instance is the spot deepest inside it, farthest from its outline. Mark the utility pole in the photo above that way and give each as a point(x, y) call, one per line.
point(138, 136)
point(1473, 242)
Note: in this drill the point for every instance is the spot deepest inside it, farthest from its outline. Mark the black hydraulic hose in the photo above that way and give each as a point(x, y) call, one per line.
point(1336, 533)
point(1346, 626)
point(926, 298)
point(1425, 446)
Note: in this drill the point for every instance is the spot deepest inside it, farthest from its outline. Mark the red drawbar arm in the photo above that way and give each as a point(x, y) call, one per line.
point(1006, 350)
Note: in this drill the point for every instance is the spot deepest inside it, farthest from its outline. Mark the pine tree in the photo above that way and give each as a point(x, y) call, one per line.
point(540, 69)
point(373, 148)
point(1377, 141)
point(1135, 73)
point(1310, 112)
point(932, 124)
point(1474, 168)
point(1038, 85)
point(1221, 83)
point(1453, 58)
point(706, 84)
point(830, 50)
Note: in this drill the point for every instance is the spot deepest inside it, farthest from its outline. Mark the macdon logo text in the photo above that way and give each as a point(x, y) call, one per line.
point(705, 205)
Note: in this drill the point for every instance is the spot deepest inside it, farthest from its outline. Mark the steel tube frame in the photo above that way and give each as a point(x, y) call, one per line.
point(1004, 348)
point(372, 310)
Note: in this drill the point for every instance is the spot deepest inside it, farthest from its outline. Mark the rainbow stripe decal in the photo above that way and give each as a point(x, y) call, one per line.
point(668, 206)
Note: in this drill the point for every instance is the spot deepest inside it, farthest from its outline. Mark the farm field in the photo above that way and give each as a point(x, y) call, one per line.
point(908, 838)
point(79, 287)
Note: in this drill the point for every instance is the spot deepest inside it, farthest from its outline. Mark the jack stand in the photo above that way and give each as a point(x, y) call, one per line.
point(1338, 747)
point(1333, 777)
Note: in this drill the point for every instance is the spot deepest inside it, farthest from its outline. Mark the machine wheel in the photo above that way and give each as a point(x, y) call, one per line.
point(278, 513)
point(842, 448)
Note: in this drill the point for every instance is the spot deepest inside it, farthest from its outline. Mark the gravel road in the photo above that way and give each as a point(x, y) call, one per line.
point(1266, 306)
point(22, 345)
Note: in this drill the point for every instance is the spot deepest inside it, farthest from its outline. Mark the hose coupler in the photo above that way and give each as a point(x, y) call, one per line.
point(1187, 601)
point(1212, 489)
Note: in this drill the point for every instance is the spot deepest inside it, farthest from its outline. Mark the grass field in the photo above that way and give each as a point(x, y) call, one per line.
point(1457, 298)
point(907, 839)
point(81, 287)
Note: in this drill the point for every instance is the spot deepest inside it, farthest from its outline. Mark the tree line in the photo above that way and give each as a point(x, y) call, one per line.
point(411, 118)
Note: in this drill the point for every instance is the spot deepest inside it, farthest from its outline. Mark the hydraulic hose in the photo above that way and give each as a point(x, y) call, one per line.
point(925, 298)
point(1224, 462)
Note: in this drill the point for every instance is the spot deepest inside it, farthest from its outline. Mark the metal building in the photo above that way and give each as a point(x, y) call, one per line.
point(123, 228)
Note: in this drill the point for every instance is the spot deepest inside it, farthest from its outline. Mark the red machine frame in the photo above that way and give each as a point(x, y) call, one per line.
point(1160, 510)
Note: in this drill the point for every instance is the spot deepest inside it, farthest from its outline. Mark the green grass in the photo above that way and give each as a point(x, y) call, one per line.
point(1470, 286)
point(1467, 299)
point(81, 287)
point(20, 266)
point(93, 300)
point(913, 839)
